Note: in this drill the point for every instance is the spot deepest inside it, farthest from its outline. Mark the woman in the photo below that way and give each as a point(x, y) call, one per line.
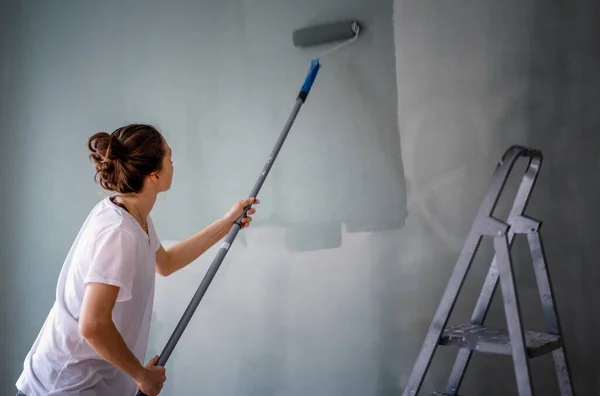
point(95, 337)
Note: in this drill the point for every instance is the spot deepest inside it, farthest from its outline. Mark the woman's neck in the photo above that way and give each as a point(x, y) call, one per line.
point(139, 205)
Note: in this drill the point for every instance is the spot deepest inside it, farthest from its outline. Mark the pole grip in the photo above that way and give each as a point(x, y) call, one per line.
point(309, 80)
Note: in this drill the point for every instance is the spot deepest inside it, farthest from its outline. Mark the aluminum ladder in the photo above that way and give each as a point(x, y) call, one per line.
point(475, 336)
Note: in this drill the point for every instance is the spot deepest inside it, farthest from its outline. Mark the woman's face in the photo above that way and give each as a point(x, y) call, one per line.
point(165, 176)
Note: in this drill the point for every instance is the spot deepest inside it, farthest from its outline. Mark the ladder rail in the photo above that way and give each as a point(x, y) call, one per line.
point(550, 311)
point(513, 317)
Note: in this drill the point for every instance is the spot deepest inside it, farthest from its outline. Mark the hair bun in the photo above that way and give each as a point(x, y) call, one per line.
point(105, 152)
point(98, 145)
point(105, 148)
point(115, 149)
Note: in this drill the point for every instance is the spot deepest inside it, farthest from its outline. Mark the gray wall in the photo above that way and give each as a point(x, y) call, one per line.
point(367, 208)
point(473, 78)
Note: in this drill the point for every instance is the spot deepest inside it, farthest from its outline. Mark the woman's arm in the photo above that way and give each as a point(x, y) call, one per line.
point(98, 329)
point(186, 251)
point(183, 253)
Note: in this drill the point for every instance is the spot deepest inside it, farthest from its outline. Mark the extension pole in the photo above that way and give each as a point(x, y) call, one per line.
point(214, 267)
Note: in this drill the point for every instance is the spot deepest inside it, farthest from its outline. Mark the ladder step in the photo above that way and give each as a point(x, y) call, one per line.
point(490, 340)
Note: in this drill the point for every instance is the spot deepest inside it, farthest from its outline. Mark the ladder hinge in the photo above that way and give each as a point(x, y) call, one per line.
point(493, 227)
point(526, 225)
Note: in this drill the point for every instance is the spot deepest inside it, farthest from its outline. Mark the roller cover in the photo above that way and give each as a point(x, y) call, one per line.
point(322, 34)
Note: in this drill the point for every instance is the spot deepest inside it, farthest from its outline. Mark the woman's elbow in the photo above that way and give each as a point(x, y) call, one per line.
point(163, 270)
point(91, 328)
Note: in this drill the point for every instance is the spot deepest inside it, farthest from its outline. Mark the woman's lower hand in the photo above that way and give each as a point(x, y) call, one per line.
point(238, 209)
point(152, 379)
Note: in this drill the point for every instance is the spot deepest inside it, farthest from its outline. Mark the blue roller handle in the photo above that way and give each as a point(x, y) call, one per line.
point(310, 79)
point(228, 241)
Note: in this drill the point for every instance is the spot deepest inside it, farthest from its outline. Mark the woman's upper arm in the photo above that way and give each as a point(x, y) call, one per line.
point(96, 309)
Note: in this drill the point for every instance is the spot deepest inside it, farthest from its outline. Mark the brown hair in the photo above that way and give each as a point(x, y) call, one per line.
point(125, 157)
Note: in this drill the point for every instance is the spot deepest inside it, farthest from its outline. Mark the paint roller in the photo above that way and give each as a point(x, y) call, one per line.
point(345, 31)
point(326, 33)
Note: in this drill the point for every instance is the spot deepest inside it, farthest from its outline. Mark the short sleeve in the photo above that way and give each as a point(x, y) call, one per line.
point(113, 261)
point(155, 240)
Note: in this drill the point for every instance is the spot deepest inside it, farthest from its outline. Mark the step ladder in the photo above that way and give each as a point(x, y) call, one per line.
point(475, 336)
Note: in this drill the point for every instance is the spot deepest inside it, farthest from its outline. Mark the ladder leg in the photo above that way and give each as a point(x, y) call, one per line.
point(513, 317)
point(550, 312)
point(479, 313)
point(441, 317)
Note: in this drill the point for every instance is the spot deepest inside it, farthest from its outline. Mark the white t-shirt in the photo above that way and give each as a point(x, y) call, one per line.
point(111, 248)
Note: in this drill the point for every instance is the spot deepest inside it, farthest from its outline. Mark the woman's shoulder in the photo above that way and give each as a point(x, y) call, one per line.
point(106, 217)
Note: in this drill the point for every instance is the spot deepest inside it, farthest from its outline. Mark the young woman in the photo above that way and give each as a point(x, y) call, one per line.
point(94, 339)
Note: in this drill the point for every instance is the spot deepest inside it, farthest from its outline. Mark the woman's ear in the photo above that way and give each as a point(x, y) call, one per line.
point(154, 177)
